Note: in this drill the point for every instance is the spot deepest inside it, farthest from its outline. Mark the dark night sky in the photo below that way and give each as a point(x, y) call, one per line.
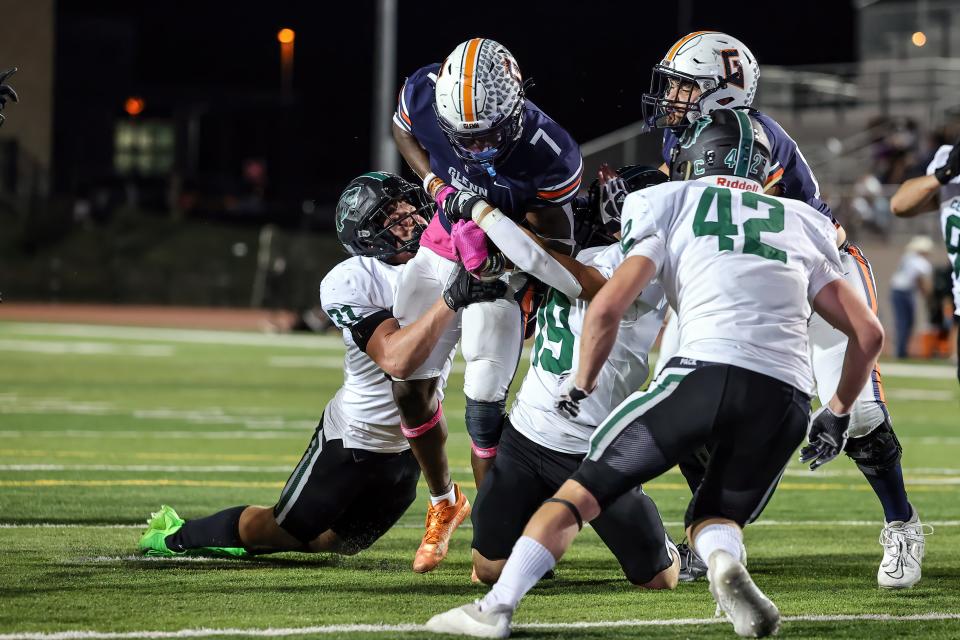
point(591, 61)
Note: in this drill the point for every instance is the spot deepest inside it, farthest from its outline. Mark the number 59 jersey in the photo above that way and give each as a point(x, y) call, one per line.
point(555, 354)
point(739, 267)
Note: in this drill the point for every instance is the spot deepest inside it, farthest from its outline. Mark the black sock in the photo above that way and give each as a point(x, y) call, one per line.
point(222, 529)
point(888, 485)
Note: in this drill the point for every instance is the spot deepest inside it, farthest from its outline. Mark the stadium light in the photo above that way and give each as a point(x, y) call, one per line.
point(919, 38)
point(134, 106)
point(285, 37)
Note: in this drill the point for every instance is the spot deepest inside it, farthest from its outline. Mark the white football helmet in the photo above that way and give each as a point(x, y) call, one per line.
point(479, 101)
point(722, 67)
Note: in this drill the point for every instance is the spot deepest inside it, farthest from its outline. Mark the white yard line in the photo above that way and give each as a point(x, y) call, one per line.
point(271, 632)
point(191, 336)
point(87, 348)
point(159, 468)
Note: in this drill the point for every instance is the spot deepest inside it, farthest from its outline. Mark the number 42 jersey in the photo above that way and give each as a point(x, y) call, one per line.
point(740, 268)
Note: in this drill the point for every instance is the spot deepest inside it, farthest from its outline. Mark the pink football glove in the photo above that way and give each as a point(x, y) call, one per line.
point(471, 244)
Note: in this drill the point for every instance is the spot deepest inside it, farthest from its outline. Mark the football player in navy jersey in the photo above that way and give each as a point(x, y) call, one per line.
point(708, 70)
point(466, 128)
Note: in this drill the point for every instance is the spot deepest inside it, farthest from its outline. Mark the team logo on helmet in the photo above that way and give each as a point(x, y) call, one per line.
point(348, 202)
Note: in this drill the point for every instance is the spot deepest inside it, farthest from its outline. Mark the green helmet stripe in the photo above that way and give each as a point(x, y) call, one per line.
point(379, 175)
point(745, 148)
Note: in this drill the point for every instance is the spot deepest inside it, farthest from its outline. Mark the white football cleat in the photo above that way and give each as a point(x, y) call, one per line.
point(469, 620)
point(753, 614)
point(903, 548)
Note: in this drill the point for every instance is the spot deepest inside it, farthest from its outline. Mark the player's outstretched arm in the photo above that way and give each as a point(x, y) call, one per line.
point(400, 351)
point(916, 196)
point(415, 155)
point(840, 305)
point(606, 310)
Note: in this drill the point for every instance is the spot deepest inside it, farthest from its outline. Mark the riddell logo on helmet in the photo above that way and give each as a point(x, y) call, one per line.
point(737, 183)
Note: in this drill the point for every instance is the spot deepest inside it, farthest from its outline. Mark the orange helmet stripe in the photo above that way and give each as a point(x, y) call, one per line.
point(682, 41)
point(467, 79)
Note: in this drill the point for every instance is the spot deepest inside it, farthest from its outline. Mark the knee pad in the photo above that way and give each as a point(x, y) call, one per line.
point(488, 380)
point(416, 431)
point(876, 452)
point(485, 425)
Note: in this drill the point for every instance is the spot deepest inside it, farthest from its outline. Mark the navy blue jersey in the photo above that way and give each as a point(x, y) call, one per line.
point(543, 169)
point(787, 165)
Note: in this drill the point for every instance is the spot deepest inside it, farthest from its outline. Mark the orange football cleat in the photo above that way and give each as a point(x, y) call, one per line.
point(442, 521)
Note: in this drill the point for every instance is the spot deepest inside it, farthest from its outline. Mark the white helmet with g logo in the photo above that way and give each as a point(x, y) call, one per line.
point(723, 68)
point(479, 101)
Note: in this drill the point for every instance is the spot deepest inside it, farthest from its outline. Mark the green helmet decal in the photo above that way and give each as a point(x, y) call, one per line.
point(378, 175)
point(698, 127)
point(348, 202)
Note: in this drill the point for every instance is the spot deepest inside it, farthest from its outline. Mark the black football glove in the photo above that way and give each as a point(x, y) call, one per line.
point(464, 289)
point(459, 206)
point(6, 91)
point(570, 397)
point(828, 437)
point(951, 169)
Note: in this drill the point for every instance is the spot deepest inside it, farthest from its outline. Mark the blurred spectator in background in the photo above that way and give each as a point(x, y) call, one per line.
point(915, 273)
point(869, 207)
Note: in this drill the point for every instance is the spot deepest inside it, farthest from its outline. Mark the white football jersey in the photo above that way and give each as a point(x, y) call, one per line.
point(556, 352)
point(949, 218)
point(362, 412)
point(740, 268)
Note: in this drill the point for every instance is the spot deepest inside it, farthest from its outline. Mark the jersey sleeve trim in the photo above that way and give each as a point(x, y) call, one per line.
point(564, 191)
point(774, 176)
point(402, 116)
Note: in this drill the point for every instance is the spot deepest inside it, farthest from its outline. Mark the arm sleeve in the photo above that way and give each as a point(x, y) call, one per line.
point(527, 255)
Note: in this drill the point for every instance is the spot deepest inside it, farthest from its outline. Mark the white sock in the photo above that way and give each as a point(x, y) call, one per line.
point(527, 563)
point(450, 496)
point(718, 537)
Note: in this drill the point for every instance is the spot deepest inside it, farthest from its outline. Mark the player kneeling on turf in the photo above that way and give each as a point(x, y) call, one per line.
point(743, 270)
point(540, 448)
point(358, 475)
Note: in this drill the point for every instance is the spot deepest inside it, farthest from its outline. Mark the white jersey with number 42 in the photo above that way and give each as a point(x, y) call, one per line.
point(740, 268)
point(555, 353)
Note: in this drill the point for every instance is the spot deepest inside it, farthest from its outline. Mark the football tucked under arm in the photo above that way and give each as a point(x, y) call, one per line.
point(523, 251)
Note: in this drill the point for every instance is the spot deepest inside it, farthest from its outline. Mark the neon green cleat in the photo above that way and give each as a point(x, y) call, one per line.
point(166, 522)
point(160, 525)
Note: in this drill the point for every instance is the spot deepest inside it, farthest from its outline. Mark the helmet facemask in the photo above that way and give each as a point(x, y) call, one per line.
point(660, 111)
point(396, 226)
point(486, 148)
